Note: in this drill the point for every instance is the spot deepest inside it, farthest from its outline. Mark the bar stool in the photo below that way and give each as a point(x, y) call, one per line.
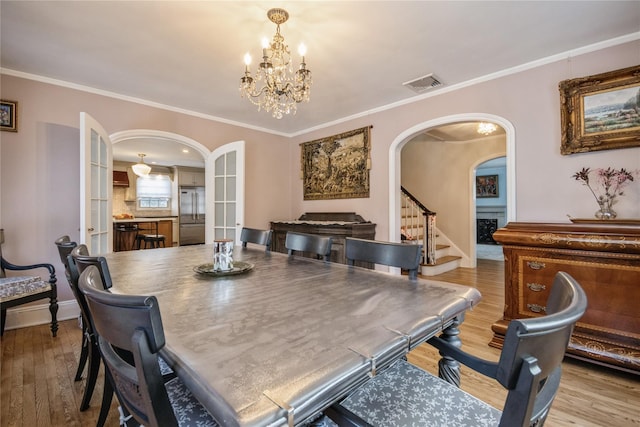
point(126, 235)
point(152, 240)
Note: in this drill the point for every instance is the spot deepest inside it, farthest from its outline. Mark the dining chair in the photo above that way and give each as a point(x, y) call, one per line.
point(90, 349)
point(302, 242)
point(402, 255)
point(133, 324)
point(254, 235)
point(529, 368)
point(18, 290)
point(79, 260)
point(65, 246)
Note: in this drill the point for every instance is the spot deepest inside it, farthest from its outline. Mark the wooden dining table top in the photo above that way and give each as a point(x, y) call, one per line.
point(280, 342)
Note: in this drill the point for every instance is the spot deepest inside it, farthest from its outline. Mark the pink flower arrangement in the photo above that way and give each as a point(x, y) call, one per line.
point(608, 182)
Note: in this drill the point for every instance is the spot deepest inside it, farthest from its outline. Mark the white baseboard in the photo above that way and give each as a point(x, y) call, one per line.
point(31, 315)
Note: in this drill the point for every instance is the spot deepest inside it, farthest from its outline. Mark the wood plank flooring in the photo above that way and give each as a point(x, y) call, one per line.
point(37, 371)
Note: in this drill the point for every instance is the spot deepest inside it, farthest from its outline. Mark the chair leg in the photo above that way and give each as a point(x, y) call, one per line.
point(3, 318)
point(53, 308)
point(107, 397)
point(84, 353)
point(92, 374)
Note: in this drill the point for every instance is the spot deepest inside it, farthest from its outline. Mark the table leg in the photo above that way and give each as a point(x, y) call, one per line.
point(448, 367)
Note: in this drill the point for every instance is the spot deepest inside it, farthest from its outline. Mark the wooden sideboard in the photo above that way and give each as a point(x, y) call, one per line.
point(338, 225)
point(604, 257)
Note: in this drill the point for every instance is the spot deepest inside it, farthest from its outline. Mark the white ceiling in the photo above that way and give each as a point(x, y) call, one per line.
point(188, 54)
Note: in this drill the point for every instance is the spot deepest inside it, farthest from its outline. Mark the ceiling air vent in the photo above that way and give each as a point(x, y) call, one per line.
point(424, 83)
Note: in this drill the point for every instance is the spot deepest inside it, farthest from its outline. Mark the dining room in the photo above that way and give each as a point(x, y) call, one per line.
point(266, 183)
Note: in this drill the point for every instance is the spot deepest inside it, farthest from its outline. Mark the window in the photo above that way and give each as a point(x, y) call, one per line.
point(153, 191)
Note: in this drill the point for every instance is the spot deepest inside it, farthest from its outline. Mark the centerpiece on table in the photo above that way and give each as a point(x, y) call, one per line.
point(606, 186)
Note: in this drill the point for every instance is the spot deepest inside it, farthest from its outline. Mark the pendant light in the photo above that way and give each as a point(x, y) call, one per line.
point(141, 168)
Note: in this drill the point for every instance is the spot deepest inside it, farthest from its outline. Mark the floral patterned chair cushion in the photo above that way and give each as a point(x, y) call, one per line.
point(20, 286)
point(405, 395)
point(188, 411)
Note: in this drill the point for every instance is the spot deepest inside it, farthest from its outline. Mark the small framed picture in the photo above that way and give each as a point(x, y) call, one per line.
point(9, 116)
point(487, 186)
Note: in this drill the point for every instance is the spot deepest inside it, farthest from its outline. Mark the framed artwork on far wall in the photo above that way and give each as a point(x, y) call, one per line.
point(9, 116)
point(600, 112)
point(486, 186)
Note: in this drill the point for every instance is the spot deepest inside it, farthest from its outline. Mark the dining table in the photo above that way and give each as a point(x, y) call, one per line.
point(278, 339)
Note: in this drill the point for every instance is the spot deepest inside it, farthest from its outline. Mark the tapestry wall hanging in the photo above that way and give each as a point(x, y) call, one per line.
point(337, 167)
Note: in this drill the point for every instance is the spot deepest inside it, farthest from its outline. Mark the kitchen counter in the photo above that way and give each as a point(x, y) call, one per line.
point(125, 236)
point(145, 219)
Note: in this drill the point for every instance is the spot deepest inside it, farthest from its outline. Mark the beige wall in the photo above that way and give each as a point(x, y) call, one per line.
point(39, 164)
point(530, 102)
point(438, 174)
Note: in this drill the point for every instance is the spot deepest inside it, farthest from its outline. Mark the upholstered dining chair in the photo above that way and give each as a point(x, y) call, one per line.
point(529, 368)
point(254, 235)
point(132, 324)
point(78, 260)
point(22, 289)
point(313, 243)
point(402, 255)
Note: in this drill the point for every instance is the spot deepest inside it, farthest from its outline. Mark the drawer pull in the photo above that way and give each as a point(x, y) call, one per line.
point(536, 287)
point(536, 308)
point(534, 265)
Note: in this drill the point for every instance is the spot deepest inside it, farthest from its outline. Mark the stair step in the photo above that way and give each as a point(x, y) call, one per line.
point(448, 258)
point(443, 264)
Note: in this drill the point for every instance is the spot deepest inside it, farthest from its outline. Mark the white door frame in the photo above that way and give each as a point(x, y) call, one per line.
point(395, 170)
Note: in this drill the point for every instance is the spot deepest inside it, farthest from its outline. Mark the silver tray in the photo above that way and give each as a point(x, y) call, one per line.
point(239, 267)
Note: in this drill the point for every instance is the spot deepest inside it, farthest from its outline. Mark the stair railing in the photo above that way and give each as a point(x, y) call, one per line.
point(416, 216)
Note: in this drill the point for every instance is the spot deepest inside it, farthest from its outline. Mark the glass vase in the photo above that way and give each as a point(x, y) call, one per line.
point(605, 212)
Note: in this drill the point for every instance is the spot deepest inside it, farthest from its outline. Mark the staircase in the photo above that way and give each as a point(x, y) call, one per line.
point(419, 225)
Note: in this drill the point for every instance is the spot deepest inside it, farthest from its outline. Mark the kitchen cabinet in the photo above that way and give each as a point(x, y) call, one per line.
point(191, 177)
point(125, 231)
point(604, 257)
point(165, 227)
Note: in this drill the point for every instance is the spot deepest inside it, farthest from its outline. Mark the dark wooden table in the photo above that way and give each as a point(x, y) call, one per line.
point(280, 343)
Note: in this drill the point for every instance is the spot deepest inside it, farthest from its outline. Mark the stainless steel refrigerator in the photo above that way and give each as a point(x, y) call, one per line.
point(192, 215)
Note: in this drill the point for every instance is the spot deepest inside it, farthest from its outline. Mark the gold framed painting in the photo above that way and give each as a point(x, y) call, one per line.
point(600, 112)
point(9, 116)
point(337, 167)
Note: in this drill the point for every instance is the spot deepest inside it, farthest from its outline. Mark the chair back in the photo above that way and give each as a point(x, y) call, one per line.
point(319, 245)
point(254, 235)
point(82, 260)
point(402, 255)
point(131, 323)
point(531, 358)
point(65, 246)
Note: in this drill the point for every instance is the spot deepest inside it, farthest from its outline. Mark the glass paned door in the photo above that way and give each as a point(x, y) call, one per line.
point(95, 186)
point(225, 196)
point(228, 191)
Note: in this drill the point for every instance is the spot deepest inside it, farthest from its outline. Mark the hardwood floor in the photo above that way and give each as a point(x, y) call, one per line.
point(37, 387)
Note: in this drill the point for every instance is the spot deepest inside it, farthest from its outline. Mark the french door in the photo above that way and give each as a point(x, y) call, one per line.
point(228, 192)
point(96, 180)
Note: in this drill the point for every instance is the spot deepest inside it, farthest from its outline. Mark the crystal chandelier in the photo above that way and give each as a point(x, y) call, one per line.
point(486, 128)
point(282, 88)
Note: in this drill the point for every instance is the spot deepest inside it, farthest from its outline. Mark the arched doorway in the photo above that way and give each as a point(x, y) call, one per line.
point(395, 176)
